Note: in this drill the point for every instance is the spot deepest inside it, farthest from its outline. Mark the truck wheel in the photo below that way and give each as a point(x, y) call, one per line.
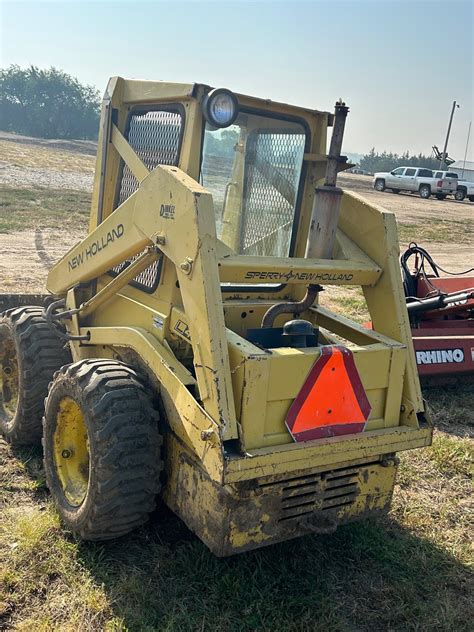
point(102, 448)
point(395, 190)
point(30, 353)
point(424, 191)
point(379, 185)
point(460, 195)
point(440, 196)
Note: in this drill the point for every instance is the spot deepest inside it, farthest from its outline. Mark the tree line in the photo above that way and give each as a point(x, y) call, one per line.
point(47, 103)
point(385, 161)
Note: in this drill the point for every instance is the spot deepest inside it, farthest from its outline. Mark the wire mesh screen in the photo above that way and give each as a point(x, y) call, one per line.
point(155, 138)
point(271, 182)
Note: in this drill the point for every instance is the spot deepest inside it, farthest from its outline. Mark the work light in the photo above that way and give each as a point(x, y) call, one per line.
point(220, 107)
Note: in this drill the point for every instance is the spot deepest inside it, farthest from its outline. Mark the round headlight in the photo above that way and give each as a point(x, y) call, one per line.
point(220, 107)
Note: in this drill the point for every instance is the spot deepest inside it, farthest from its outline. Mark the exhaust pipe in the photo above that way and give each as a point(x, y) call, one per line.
point(327, 198)
point(324, 219)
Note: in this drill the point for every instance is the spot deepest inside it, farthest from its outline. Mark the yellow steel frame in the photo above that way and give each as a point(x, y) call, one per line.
point(233, 393)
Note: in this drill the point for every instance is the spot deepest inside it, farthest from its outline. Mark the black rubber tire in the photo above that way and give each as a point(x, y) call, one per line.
point(39, 353)
point(424, 191)
point(395, 190)
point(379, 185)
point(124, 448)
point(440, 196)
point(460, 195)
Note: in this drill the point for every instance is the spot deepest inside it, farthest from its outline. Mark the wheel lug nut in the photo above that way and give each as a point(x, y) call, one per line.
point(66, 454)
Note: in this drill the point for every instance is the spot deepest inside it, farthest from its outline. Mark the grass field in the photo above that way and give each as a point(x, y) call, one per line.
point(412, 571)
point(439, 230)
point(23, 209)
point(41, 156)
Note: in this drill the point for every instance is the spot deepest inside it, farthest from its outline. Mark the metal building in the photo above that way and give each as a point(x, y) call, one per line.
point(464, 169)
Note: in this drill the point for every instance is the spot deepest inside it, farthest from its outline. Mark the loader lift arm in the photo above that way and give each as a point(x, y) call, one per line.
point(154, 215)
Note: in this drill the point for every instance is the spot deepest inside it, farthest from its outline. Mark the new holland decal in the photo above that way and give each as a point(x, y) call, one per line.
point(298, 276)
point(96, 246)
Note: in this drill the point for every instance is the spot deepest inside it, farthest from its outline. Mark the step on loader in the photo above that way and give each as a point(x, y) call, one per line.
point(186, 343)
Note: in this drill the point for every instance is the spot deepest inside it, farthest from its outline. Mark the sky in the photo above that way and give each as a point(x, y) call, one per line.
point(399, 65)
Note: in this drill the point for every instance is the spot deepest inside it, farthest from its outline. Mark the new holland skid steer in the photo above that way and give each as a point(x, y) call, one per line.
point(187, 348)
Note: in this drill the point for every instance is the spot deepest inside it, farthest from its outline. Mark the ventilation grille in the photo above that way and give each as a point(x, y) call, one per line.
point(155, 138)
point(146, 280)
point(273, 172)
point(319, 492)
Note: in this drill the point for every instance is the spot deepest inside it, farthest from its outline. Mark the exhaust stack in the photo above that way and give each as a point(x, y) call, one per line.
point(327, 199)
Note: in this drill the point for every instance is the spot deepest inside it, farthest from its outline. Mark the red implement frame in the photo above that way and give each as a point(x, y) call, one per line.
point(444, 338)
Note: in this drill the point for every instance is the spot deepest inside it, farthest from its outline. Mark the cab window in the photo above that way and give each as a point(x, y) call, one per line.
point(253, 170)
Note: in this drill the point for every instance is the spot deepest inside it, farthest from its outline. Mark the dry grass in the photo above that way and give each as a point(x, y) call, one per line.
point(26, 209)
point(409, 572)
point(412, 571)
point(45, 157)
point(431, 229)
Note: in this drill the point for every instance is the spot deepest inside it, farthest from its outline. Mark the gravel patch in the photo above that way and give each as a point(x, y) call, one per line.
point(27, 177)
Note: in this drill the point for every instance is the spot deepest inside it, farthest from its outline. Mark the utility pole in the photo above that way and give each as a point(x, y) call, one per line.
point(445, 150)
point(467, 145)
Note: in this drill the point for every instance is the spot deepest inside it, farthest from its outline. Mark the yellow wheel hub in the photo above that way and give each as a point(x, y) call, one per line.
point(71, 451)
point(9, 384)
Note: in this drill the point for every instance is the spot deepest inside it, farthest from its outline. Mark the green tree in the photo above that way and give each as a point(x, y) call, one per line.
point(373, 161)
point(47, 104)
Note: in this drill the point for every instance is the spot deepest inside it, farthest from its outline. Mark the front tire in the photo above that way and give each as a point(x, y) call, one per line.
point(379, 185)
point(30, 353)
point(460, 195)
point(424, 191)
point(102, 448)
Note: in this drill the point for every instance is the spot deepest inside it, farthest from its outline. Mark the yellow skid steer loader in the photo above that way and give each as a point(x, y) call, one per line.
point(186, 342)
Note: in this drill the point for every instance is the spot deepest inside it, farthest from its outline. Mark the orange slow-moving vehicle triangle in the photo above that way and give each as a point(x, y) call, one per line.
point(332, 400)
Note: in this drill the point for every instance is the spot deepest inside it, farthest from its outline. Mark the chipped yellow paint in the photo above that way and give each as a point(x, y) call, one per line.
point(9, 379)
point(225, 399)
point(71, 451)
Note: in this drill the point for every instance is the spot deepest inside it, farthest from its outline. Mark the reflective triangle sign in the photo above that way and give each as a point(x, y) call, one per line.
point(332, 401)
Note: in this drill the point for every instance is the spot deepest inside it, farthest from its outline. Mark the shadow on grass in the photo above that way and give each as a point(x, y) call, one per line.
point(452, 407)
point(367, 576)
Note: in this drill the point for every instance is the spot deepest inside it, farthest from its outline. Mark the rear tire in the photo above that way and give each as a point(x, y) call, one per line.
point(102, 448)
point(379, 185)
point(460, 195)
point(30, 353)
point(424, 191)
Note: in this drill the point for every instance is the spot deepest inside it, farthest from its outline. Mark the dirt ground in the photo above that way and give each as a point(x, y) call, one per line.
point(31, 163)
point(407, 573)
point(26, 257)
point(411, 209)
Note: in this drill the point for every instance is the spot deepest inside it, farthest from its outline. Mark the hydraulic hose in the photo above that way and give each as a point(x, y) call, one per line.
point(291, 307)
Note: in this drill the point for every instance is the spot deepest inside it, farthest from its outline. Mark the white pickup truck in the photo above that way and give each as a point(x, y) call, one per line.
point(415, 179)
point(465, 188)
